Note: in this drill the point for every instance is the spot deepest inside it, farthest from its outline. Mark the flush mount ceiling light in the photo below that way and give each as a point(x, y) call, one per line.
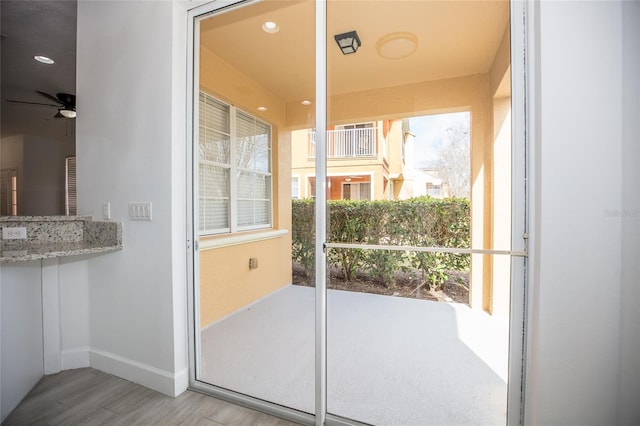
point(270, 27)
point(261, 108)
point(44, 59)
point(397, 45)
point(348, 42)
point(306, 102)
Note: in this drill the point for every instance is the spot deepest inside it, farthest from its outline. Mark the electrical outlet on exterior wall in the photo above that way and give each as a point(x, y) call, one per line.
point(14, 233)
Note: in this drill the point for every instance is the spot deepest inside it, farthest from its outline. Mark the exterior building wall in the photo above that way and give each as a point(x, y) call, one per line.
point(226, 283)
point(374, 170)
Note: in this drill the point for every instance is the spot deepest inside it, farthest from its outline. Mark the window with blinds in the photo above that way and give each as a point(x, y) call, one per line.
point(70, 187)
point(234, 169)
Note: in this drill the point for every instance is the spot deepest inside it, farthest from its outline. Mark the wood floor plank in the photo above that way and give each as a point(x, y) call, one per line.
point(227, 413)
point(134, 400)
point(100, 417)
point(200, 422)
point(93, 398)
point(87, 401)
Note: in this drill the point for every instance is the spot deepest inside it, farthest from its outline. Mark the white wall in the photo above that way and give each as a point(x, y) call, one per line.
point(11, 152)
point(129, 144)
point(74, 318)
point(41, 171)
point(21, 332)
point(577, 308)
point(43, 176)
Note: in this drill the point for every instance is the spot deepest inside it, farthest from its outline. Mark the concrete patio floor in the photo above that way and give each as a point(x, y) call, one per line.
point(391, 361)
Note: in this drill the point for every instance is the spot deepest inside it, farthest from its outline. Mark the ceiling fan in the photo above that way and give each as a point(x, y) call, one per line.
point(65, 103)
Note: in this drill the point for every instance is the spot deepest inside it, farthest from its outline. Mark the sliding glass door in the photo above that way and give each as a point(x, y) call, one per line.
point(358, 209)
point(419, 286)
point(253, 92)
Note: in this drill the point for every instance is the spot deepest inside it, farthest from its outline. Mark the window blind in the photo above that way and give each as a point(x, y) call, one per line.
point(234, 169)
point(70, 187)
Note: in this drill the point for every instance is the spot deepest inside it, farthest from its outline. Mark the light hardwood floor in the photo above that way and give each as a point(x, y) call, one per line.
point(90, 397)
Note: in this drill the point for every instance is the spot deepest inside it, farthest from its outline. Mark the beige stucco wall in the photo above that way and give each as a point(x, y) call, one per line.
point(226, 283)
point(376, 170)
point(230, 85)
point(496, 287)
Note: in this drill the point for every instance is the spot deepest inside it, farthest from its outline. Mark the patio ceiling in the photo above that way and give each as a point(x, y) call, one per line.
point(454, 38)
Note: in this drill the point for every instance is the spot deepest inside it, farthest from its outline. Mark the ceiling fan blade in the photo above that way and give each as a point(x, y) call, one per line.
point(31, 103)
point(48, 96)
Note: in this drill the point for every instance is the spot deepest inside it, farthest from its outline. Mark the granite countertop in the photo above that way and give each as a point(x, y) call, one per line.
point(34, 251)
point(59, 236)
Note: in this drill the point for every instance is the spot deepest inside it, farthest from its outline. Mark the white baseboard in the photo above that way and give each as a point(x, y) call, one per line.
point(75, 358)
point(154, 378)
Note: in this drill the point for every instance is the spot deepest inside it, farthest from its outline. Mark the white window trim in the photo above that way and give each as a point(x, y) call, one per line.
point(233, 170)
point(299, 194)
point(240, 239)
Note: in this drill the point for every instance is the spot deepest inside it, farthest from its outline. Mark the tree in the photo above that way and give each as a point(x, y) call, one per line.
point(454, 165)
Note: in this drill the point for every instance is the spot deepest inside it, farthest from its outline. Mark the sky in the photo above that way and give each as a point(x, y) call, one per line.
point(430, 132)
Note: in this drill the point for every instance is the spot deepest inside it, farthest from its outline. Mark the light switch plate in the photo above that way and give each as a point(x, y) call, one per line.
point(140, 211)
point(106, 210)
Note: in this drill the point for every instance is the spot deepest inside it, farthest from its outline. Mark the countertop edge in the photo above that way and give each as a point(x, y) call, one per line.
point(59, 254)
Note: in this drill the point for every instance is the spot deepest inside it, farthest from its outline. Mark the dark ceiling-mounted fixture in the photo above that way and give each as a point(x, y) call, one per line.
point(348, 42)
point(65, 102)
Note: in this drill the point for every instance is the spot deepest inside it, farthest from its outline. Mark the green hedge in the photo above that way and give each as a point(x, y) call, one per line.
point(419, 222)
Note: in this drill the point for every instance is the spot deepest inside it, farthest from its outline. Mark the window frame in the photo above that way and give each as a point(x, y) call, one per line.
point(235, 171)
point(297, 194)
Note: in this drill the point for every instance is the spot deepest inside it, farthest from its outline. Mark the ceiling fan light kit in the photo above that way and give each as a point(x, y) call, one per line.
point(65, 102)
point(67, 113)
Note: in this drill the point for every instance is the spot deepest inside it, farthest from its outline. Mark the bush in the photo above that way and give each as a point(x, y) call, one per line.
point(418, 222)
point(303, 234)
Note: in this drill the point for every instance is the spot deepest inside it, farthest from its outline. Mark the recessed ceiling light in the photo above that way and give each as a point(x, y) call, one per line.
point(44, 59)
point(262, 108)
point(270, 27)
point(397, 45)
point(306, 102)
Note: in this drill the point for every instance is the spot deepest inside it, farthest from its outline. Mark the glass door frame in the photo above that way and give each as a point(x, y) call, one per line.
point(521, 14)
point(194, 16)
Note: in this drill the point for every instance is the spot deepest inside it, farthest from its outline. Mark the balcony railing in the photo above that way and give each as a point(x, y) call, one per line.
point(347, 143)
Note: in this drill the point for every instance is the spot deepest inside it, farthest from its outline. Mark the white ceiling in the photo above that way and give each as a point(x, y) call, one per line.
point(455, 38)
point(31, 28)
